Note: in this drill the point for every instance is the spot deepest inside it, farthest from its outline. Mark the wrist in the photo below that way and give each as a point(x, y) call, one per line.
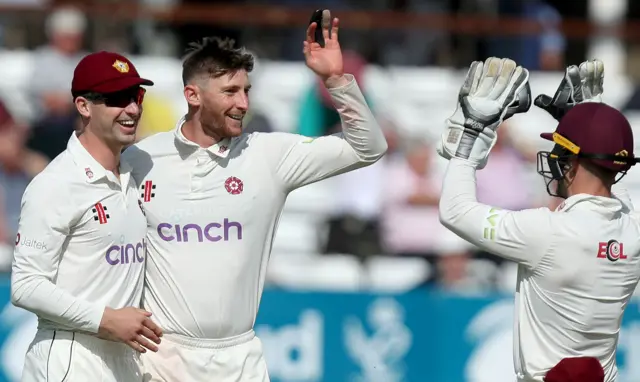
point(106, 318)
point(335, 81)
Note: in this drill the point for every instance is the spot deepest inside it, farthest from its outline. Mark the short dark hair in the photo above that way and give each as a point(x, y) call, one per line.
point(214, 57)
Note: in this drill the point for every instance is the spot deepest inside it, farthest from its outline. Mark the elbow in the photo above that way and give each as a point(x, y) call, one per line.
point(445, 217)
point(20, 287)
point(447, 213)
point(17, 299)
point(373, 152)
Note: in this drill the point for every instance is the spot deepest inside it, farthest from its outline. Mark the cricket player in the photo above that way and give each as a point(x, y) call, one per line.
point(213, 197)
point(80, 249)
point(578, 265)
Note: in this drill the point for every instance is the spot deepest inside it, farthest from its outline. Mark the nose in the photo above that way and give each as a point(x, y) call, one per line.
point(242, 101)
point(132, 108)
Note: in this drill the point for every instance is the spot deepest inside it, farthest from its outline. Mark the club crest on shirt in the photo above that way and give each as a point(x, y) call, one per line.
point(233, 185)
point(100, 213)
point(148, 191)
point(88, 172)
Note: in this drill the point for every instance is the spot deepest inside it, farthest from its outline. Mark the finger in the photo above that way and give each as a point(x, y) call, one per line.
point(543, 101)
point(136, 346)
point(586, 78)
point(599, 77)
point(153, 327)
point(326, 22)
point(518, 80)
point(573, 74)
point(150, 334)
point(489, 76)
point(148, 314)
point(470, 84)
point(334, 29)
point(145, 343)
point(501, 85)
point(311, 30)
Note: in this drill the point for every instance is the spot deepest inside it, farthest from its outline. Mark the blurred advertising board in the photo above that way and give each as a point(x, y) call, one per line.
point(328, 337)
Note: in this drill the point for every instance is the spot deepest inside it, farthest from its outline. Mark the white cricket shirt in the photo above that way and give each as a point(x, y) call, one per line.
point(81, 243)
point(578, 268)
point(213, 213)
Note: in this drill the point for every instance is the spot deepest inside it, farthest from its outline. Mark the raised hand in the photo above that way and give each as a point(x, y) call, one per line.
point(326, 62)
point(579, 84)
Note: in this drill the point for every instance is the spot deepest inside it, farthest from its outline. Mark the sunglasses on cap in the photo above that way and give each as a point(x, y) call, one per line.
point(119, 99)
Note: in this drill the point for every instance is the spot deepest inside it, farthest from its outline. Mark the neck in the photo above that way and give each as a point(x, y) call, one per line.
point(591, 188)
point(101, 151)
point(193, 131)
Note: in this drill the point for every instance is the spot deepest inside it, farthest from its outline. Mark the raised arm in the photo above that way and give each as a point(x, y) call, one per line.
point(361, 142)
point(492, 92)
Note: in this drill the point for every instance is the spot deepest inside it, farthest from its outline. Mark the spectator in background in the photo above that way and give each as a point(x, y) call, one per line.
point(534, 52)
point(18, 166)
point(55, 117)
point(410, 223)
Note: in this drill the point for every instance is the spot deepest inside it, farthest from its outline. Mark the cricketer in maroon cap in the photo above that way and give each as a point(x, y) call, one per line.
point(576, 369)
point(593, 150)
point(107, 91)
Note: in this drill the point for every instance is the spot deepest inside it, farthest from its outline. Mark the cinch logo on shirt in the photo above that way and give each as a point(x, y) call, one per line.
point(227, 230)
point(611, 250)
point(126, 253)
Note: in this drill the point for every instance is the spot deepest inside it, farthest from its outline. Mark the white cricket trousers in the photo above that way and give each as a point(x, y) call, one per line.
point(62, 356)
point(185, 359)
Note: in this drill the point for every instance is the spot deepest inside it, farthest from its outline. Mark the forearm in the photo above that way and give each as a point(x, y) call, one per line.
point(40, 296)
point(359, 127)
point(520, 236)
point(459, 208)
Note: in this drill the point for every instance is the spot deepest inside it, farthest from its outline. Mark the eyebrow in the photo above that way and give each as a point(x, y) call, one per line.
point(235, 87)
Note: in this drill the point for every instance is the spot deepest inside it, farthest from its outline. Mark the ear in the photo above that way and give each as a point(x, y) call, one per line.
point(83, 106)
point(573, 170)
point(192, 95)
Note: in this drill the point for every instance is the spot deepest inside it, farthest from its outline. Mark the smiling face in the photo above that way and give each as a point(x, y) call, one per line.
point(113, 117)
point(222, 102)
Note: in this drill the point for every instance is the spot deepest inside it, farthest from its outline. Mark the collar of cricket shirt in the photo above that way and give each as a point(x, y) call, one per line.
point(93, 171)
point(600, 204)
point(220, 149)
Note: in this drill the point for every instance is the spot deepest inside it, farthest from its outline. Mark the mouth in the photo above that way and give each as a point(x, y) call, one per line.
point(128, 124)
point(236, 117)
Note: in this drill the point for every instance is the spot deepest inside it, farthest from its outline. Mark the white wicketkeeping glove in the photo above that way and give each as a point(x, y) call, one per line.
point(579, 84)
point(492, 92)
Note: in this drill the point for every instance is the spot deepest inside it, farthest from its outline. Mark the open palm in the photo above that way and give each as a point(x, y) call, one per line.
point(325, 62)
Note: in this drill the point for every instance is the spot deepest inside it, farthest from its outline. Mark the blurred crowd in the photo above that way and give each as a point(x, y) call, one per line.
point(389, 208)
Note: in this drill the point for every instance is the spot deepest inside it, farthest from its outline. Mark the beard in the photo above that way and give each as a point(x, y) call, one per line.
point(561, 189)
point(212, 124)
point(216, 124)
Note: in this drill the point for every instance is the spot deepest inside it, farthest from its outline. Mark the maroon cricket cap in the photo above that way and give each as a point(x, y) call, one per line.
point(577, 369)
point(105, 72)
point(595, 128)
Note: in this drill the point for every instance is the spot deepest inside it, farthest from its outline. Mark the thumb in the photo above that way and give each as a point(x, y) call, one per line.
point(543, 101)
